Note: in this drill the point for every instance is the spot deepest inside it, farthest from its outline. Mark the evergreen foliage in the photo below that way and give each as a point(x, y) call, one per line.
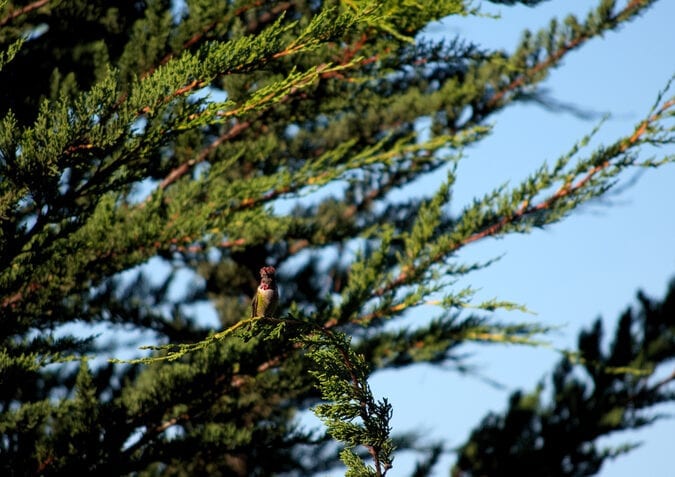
point(558, 437)
point(211, 138)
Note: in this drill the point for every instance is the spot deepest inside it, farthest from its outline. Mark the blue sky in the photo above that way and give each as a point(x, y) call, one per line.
point(591, 264)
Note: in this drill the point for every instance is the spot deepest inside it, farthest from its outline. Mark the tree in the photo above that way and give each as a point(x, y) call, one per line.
point(177, 134)
point(559, 437)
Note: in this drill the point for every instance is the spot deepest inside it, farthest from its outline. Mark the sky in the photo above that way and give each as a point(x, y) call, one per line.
point(589, 265)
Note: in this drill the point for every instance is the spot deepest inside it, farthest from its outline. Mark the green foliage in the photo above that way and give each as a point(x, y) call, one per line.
point(617, 390)
point(154, 155)
point(352, 415)
point(11, 51)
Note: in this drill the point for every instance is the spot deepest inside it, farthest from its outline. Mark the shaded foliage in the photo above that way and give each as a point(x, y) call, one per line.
point(617, 391)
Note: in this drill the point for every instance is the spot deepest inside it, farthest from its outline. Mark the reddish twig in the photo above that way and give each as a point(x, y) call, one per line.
point(184, 168)
point(15, 298)
point(556, 56)
point(566, 189)
point(265, 18)
point(155, 431)
point(664, 381)
point(44, 464)
point(20, 11)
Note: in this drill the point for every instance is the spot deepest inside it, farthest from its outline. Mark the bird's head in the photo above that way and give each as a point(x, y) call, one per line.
point(267, 272)
point(267, 278)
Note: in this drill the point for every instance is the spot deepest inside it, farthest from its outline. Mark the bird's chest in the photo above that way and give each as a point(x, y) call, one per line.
point(266, 293)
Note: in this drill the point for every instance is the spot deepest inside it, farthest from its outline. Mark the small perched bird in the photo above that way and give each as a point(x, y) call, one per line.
point(267, 296)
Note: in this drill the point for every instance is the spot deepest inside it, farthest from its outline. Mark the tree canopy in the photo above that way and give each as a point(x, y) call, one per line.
point(154, 155)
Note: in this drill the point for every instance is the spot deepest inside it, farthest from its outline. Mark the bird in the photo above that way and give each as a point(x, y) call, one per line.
point(266, 297)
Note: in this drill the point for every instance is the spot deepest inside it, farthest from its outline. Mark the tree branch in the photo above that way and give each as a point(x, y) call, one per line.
point(630, 9)
point(526, 209)
point(20, 11)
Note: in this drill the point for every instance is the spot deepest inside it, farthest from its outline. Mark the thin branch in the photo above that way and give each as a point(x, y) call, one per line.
point(555, 57)
point(265, 18)
point(663, 382)
point(155, 431)
point(20, 11)
point(526, 209)
point(184, 168)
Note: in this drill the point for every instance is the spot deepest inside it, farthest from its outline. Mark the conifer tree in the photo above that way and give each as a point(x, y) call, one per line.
point(155, 155)
point(558, 437)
